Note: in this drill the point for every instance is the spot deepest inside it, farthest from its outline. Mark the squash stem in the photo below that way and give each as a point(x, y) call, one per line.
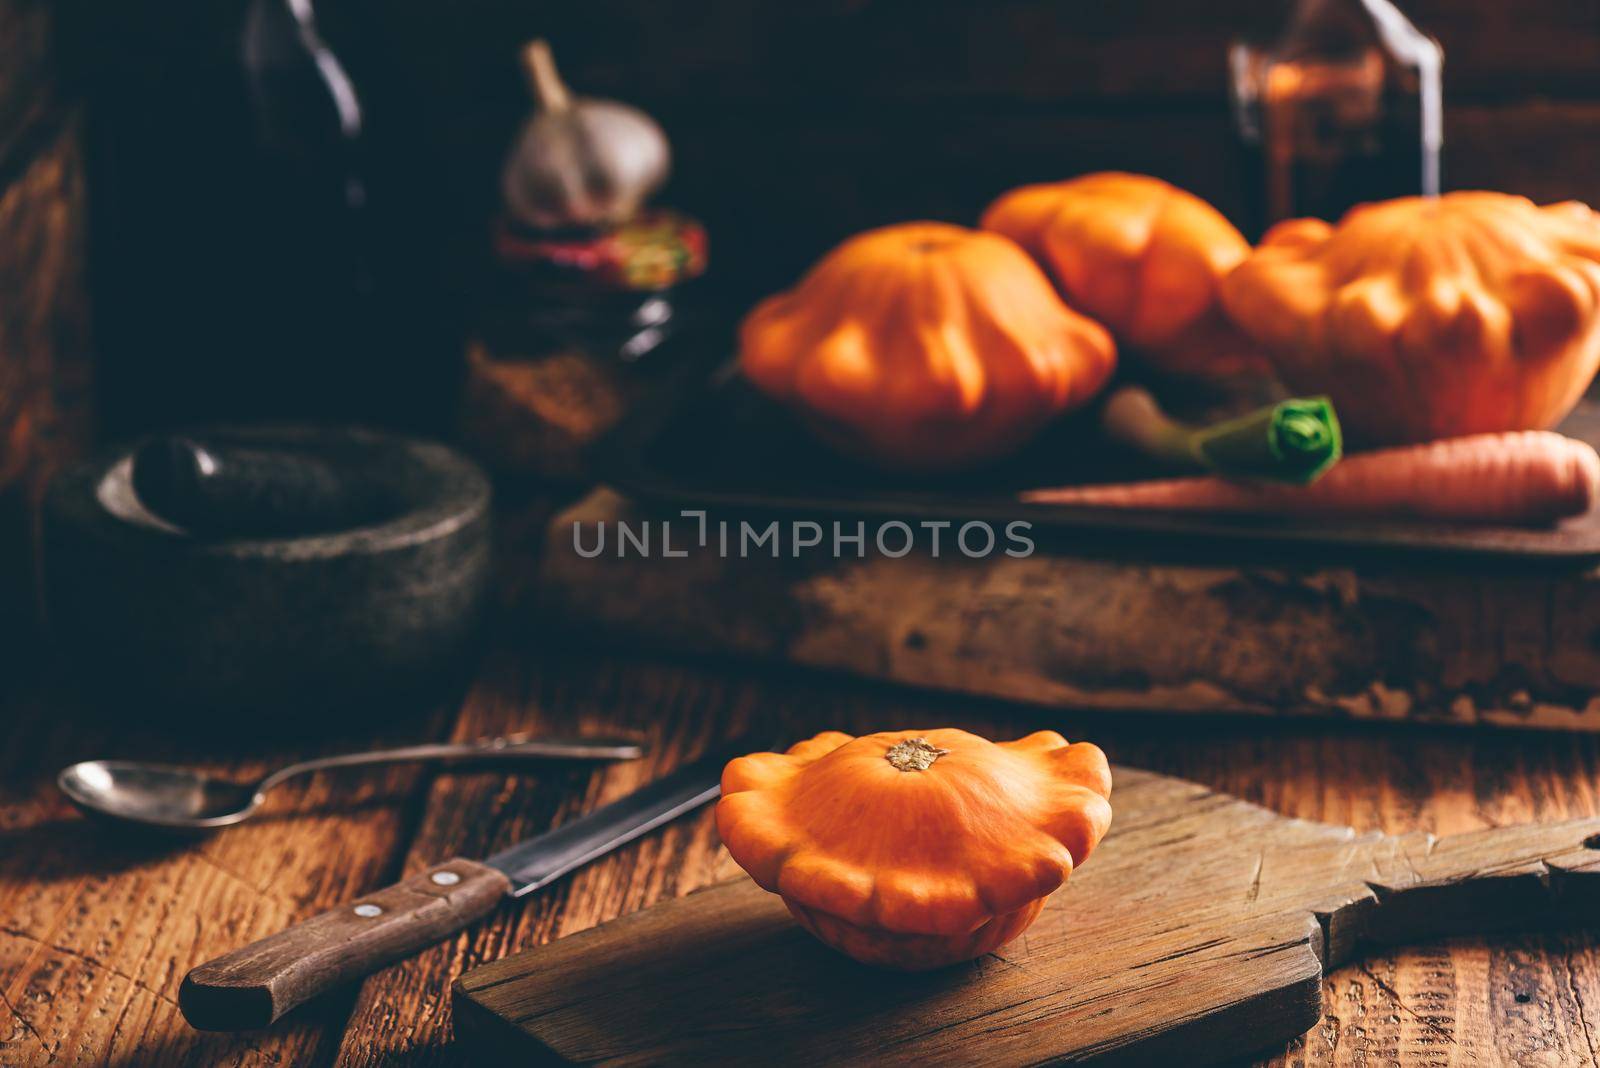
point(1133, 417)
point(914, 754)
point(1293, 441)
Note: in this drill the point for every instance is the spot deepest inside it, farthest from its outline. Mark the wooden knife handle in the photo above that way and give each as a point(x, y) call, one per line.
point(253, 986)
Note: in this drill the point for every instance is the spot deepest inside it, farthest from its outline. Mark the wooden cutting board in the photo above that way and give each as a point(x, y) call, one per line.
point(1198, 932)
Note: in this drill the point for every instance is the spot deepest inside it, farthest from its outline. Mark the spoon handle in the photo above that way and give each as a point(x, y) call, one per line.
point(486, 749)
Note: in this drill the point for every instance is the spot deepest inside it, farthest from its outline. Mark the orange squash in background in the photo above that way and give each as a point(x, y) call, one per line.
point(925, 346)
point(916, 849)
point(1139, 255)
point(1422, 319)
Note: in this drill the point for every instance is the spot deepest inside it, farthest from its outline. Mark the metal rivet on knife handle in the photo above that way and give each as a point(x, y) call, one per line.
point(253, 986)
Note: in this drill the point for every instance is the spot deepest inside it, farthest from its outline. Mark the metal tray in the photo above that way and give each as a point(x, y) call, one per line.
point(717, 444)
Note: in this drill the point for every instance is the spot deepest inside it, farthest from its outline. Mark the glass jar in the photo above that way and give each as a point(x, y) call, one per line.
point(1345, 107)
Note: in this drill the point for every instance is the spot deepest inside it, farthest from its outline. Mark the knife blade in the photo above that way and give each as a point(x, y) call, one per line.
point(541, 860)
point(256, 984)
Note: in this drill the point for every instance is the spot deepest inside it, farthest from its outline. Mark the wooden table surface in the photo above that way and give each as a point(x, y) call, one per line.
point(98, 926)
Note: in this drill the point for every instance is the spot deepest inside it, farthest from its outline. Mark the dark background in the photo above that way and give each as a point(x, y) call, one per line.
point(793, 124)
point(159, 263)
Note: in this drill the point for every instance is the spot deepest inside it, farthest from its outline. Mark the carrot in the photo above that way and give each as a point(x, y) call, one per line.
point(1524, 478)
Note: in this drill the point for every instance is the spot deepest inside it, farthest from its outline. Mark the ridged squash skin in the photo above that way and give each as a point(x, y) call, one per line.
point(1141, 256)
point(924, 346)
point(916, 849)
point(1426, 318)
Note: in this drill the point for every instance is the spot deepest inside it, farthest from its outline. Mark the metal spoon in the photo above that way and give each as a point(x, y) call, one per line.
point(176, 798)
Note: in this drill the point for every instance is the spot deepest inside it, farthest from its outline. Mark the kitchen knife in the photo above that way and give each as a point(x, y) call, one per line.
point(253, 986)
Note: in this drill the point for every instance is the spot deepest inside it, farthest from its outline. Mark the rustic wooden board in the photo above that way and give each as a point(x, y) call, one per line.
point(1198, 931)
point(1444, 644)
point(44, 402)
point(85, 914)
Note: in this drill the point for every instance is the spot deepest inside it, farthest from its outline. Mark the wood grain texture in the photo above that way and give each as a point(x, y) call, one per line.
point(29, 94)
point(98, 926)
point(404, 1014)
point(96, 930)
point(254, 985)
point(1400, 778)
point(1450, 643)
point(1197, 931)
point(44, 402)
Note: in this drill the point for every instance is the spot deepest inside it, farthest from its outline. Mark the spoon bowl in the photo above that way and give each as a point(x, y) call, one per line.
point(158, 795)
point(182, 799)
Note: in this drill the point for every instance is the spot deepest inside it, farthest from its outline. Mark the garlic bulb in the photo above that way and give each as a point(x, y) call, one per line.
point(580, 162)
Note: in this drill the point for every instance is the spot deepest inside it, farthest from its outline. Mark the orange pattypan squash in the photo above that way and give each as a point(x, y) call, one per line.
point(926, 346)
point(1428, 318)
point(1141, 256)
point(916, 849)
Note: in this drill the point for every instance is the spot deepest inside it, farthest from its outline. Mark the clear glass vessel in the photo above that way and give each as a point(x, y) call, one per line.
point(1345, 107)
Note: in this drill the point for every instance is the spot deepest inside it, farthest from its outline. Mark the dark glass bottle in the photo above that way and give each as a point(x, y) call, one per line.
point(1344, 108)
point(261, 248)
